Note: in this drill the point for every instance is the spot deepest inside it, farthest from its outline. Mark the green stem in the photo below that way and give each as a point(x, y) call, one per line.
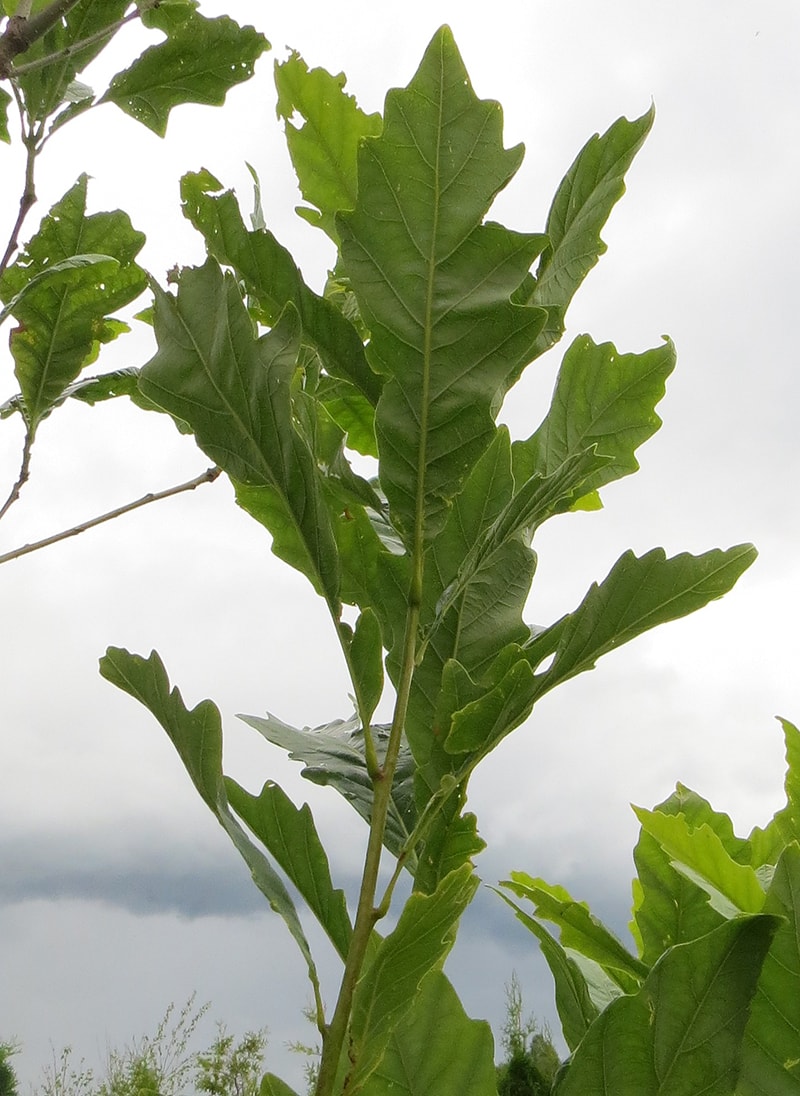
point(76, 47)
point(366, 914)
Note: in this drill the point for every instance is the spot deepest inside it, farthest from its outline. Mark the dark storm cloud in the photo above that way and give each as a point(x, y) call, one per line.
point(170, 881)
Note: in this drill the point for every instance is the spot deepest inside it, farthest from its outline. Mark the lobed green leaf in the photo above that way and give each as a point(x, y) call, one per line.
point(582, 204)
point(273, 279)
point(289, 834)
point(200, 61)
point(196, 734)
point(603, 400)
point(61, 289)
point(433, 284)
point(576, 1009)
point(324, 148)
point(700, 849)
point(233, 389)
point(771, 1049)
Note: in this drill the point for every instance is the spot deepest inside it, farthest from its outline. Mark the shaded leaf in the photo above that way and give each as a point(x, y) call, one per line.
point(771, 1050)
point(234, 391)
point(323, 149)
point(602, 399)
point(273, 279)
point(366, 660)
point(433, 284)
point(290, 835)
point(582, 204)
point(389, 985)
point(199, 62)
point(768, 844)
point(334, 754)
point(419, 1058)
point(682, 1032)
point(196, 734)
point(64, 316)
point(5, 99)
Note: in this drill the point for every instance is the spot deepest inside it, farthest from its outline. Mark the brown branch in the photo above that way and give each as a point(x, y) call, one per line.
point(22, 478)
point(27, 200)
point(21, 33)
point(207, 477)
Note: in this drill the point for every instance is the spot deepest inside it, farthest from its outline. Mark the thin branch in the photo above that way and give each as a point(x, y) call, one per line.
point(22, 478)
point(76, 47)
point(27, 200)
point(207, 477)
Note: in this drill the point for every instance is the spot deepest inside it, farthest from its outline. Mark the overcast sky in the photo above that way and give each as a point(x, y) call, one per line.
point(118, 891)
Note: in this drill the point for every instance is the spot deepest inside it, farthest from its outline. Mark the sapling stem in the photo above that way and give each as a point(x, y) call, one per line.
point(366, 914)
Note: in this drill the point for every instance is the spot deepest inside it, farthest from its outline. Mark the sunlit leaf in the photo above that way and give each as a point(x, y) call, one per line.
point(323, 147)
point(768, 844)
point(580, 930)
point(5, 99)
point(700, 849)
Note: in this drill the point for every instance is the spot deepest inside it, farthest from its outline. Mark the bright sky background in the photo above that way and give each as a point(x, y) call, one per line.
point(118, 891)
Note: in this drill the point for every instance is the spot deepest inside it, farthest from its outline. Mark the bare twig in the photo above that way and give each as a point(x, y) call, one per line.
point(26, 201)
point(22, 478)
point(207, 477)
